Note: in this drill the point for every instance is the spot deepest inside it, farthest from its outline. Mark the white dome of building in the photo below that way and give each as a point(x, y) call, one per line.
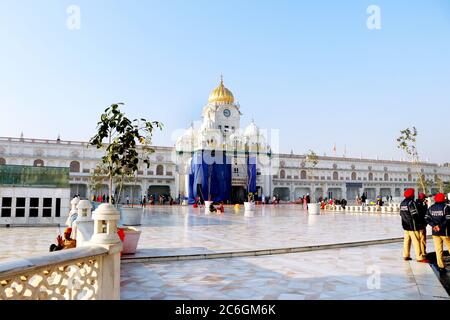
point(251, 131)
point(186, 142)
point(207, 124)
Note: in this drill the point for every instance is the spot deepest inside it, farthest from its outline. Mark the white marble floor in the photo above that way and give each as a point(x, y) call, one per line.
point(173, 230)
point(369, 273)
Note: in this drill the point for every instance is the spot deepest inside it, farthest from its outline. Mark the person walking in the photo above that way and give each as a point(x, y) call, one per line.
point(411, 226)
point(128, 200)
point(438, 217)
point(363, 199)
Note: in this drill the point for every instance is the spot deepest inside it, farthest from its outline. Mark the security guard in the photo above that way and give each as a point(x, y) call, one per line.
point(413, 228)
point(438, 217)
point(422, 207)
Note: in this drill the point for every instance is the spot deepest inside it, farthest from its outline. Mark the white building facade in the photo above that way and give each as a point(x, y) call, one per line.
point(285, 175)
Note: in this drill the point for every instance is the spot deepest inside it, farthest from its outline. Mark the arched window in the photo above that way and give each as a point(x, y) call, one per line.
point(38, 163)
point(303, 175)
point(409, 177)
point(282, 174)
point(160, 170)
point(2, 161)
point(74, 166)
point(370, 176)
point(335, 175)
point(353, 176)
point(386, 177)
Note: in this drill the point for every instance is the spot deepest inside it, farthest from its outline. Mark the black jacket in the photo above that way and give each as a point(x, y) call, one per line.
point(410, 216)
point(439, 215)
point(422, 207)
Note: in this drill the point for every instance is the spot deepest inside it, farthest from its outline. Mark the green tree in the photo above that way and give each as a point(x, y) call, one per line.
point(123, 136)
point(311, 162)
point(446, 187)
point(407, 141)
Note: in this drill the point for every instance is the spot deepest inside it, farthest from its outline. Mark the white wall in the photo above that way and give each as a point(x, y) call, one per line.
point(41, 193)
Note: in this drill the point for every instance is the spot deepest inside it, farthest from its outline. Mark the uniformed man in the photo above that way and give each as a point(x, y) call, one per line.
point(438, 217)
point(412, 225)
point(422, 207)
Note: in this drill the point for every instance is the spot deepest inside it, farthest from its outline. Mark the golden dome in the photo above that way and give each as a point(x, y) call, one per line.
point(221, 95)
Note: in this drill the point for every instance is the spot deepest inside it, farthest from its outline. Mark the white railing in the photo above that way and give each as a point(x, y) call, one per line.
point(74, 274)
point(88, 272)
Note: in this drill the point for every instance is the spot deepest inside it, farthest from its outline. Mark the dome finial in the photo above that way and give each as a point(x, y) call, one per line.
point(221, 79)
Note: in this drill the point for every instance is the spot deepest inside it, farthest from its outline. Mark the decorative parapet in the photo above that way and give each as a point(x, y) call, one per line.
point(75, 274)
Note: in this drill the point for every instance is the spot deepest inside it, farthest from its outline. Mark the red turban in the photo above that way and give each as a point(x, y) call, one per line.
point(68, 230)
point(439, 198)
point(409, 193)
point(422, 196)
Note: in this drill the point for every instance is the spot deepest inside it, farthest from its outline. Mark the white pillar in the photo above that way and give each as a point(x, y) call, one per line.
point(106, 217)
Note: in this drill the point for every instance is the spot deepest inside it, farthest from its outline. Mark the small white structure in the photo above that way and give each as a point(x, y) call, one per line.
point(83, 227)
point(73, 211)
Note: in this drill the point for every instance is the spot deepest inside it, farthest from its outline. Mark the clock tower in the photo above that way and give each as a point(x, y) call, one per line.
point(221, 112)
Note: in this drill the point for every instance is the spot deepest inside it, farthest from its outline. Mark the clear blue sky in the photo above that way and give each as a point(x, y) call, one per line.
point(309, 68)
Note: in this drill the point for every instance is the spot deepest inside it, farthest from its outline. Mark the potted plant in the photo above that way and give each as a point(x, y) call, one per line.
point(312, 160)
point(249, 206)
point(122, 153)
point(130, 240)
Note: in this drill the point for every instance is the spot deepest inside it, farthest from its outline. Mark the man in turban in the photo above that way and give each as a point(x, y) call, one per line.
point(438, 217)
point(413, 227)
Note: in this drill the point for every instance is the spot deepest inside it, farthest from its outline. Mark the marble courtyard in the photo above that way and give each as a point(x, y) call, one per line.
point(185, 254)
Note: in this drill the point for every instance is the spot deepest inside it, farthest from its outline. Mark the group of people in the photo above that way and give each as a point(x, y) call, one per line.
point(416, 215)
point(332, 202)
point(199, 204)
point(220, 209)
point(101, 198)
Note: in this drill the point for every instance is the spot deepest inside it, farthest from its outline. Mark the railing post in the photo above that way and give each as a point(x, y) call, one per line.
point(105, 234)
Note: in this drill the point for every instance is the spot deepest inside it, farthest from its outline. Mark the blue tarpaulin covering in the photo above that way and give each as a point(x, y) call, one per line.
point(251, 172)
point(210, 181)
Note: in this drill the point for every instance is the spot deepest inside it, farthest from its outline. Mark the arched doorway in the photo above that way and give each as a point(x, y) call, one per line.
point(38, 163)
point(134, 192)
point(78, 189)
point(318, 193)
point(371, 193)
point(75, 166)
point(335, 175)
point(283, 192)
point(238, 194)
point(156, 191)
point(303, 175)
point(335, 193)
point(160, 170)
point(300, 192)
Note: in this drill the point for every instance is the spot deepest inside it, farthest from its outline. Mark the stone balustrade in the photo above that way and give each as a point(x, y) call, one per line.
point(391, 208)
point(89, 272)
point(75, 274)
